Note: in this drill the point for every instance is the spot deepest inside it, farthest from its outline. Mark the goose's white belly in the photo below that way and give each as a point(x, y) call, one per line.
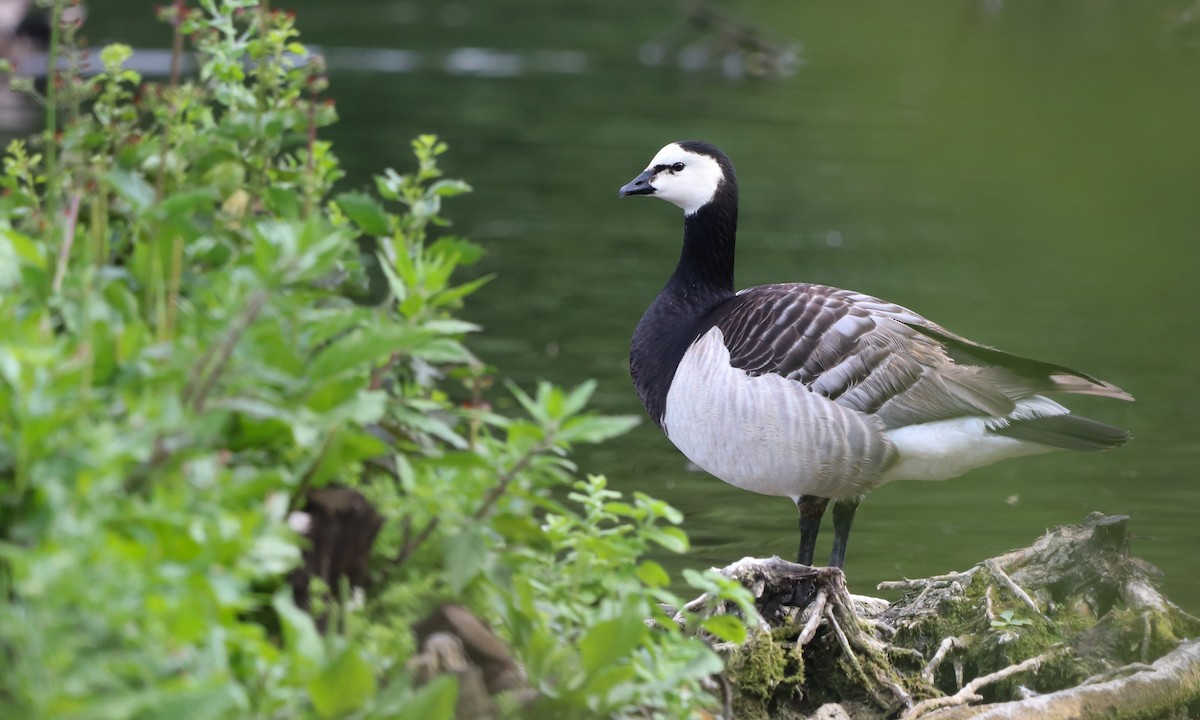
point(948, 448)
point(771, 435)
point(768, 434)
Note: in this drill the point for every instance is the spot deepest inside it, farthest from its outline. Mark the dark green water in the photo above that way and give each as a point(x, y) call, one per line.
point(1024, 173)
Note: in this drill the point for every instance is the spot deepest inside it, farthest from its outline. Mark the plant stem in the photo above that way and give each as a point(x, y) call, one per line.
point(51, 136)
point(173, 283)
point(64, 252)
point(205, 379)
point(261, 90)
point(177, 43)
point(176, 58)
point(310, 184)
point(99, 229)
point(410, 547)
point(298, 496)
point(507, 478)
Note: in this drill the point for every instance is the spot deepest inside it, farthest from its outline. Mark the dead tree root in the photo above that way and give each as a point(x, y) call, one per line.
point(1070, 627)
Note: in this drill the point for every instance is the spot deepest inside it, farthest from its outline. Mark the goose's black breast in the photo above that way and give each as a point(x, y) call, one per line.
point(670, 326)
point(797, 330)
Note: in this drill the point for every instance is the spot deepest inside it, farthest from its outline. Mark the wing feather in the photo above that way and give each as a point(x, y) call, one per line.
point(880, 358)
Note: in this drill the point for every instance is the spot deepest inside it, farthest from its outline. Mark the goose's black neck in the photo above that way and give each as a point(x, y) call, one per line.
point(702, 280)
point(704, 275)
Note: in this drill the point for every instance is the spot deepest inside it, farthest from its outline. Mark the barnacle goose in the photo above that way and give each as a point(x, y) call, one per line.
point(817, 393)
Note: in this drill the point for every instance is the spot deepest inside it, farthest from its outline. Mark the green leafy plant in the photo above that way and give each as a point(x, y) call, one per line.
point(1008, 619)
point(199, 331)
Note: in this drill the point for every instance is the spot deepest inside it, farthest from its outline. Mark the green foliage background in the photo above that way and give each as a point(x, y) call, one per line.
point(197, 330)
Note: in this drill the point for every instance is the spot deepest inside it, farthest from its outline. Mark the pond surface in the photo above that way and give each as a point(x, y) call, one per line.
point(1026, 174)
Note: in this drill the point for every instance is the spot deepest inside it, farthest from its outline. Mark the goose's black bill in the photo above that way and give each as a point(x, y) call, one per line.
point(640, 185)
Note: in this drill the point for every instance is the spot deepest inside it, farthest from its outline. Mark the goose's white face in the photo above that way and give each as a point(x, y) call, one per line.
point(679, 176)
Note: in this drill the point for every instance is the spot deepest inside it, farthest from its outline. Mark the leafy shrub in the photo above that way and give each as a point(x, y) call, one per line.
point(193, 340)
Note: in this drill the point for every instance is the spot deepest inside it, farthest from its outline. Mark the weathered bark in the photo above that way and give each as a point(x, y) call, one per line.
point(1064, 628)
point(1171, 683)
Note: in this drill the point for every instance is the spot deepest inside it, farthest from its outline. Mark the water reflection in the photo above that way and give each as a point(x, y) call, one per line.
point(1024, 173)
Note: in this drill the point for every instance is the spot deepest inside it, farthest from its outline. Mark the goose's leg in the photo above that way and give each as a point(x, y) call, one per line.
point(843, 518)
point(811, 509)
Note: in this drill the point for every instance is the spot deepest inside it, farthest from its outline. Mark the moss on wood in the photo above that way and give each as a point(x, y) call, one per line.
point(1073, 610)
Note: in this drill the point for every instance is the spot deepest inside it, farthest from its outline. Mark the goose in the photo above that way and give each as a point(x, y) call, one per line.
point(821, 394)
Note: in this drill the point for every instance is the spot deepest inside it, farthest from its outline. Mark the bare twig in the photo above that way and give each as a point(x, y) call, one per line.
point(970, 692)
point(1023, 596)
point(987, 605)
point(814, 619)
point(947, 645)
point(845, 643)
point(1147, 632)
point(691, 606)
point(726, 696)
point(897, 690)
point(913, 584)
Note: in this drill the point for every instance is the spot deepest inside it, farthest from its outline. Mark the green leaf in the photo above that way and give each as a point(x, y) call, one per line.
point(449, 326)
point(597, 428)
point(726, 627)
point(610, 641)
point(535, 411)
point(133, 188)
point(670, 538)
point(443, 350)
point(606, 679)
point(366, 213)
point(652, 574)
point(466, 556)
point(658, 508)
point(344, 686)
point(178, 208)
point(449, 188)
point(450, 297)
point(578, 397)
point(19, 247)
point(364, 348)
point(204, 703)
point(467, 252)
point(300, 636)
point(434, 701)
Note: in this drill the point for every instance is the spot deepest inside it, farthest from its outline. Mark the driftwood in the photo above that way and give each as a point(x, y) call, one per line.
point(1070, 627)
point(452, 640)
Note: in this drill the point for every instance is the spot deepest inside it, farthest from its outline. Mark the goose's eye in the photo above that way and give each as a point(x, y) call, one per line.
point(677, 167)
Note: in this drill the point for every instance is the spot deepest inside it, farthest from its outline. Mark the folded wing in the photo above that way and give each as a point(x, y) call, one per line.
point(885, 360)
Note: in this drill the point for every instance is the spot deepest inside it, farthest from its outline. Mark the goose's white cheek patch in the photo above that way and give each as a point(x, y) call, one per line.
point(691, 188)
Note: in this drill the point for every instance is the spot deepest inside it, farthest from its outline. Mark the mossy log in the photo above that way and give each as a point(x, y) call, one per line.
point(1070, 627)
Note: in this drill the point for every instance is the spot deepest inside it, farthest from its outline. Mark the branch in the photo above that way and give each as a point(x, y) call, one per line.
point(410, 547)
point(970, 691)
point(1014, 587)
point(947, 645)
point(196, 393)
point(1171, 682)
point(507, 478)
